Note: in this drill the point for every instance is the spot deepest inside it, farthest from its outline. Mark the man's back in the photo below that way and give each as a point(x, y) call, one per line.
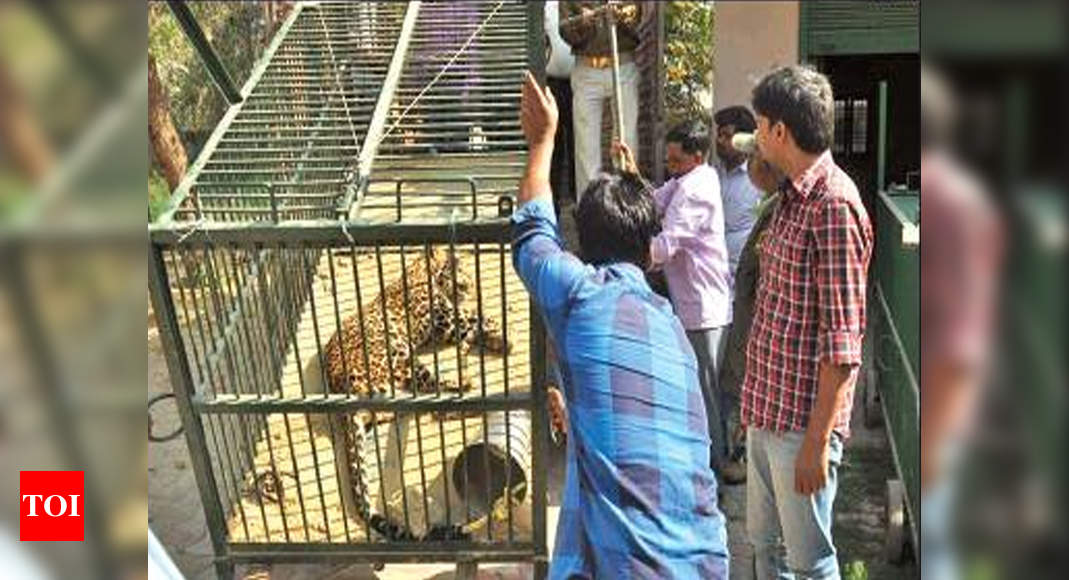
point(640, 499)
point(691, 248)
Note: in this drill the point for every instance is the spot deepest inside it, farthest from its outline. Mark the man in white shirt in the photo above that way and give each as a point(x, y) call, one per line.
point(740, 196)
point(584, 27)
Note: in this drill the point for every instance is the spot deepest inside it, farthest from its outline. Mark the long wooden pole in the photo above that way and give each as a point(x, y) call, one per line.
point(618, 116)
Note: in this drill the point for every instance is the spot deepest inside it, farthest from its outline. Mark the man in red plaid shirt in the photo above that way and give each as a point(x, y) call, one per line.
point(804, 349)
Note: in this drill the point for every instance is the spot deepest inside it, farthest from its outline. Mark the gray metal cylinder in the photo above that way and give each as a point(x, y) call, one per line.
point(484, 470)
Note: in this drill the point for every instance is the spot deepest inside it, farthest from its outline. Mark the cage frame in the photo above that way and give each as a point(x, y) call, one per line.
point(343, 230)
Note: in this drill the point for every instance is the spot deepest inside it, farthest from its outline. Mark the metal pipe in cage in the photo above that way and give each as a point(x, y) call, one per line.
point(498, 464)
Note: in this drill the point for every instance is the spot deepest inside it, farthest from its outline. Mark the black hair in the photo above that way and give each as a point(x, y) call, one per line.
point(737, 116)
point(692, 136)
point(616, 218)
point(802, 98)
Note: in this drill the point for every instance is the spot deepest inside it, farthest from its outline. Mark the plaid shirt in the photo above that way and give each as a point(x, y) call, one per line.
point(810, 304)
point(639, 496)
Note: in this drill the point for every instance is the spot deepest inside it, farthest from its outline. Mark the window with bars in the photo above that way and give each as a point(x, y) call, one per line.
point(851, 126)
point(859, 126)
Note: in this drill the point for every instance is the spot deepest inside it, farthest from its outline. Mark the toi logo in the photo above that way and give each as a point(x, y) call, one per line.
point(51, 507)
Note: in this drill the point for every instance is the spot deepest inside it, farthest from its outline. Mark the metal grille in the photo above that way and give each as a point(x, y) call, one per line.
point(355, 362)
point(459, 148)
point(286, 152)
point(256, 335)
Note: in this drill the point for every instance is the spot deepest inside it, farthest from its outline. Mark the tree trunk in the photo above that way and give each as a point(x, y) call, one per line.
point(269, 22)
point(20, 133)
point(167, 147)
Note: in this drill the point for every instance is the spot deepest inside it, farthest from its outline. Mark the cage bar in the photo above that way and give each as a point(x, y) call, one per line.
point(337, 342)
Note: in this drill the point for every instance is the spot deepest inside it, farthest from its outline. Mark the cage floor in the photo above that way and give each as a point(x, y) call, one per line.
point(300, 448)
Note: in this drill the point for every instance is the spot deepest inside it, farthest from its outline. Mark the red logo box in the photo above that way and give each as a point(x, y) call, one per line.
point(51, 506)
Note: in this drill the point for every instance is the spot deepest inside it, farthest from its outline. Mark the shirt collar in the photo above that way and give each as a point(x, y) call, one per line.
point(693, 172)
point(809, 178)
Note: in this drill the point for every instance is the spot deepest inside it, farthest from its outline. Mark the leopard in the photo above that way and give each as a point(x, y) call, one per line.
point(424, 307)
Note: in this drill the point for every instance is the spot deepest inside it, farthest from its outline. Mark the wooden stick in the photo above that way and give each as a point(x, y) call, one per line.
point(618, 117)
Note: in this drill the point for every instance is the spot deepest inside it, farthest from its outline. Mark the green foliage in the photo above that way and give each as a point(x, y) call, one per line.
point(982, 568)
point(688, 61)
point(856, 570)
point(158, 195)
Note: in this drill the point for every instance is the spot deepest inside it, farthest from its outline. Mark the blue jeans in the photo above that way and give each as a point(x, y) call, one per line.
point(778, 519)
point(940, 560)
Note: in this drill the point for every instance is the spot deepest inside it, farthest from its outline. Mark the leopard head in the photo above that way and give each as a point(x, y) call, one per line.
point(447, 272)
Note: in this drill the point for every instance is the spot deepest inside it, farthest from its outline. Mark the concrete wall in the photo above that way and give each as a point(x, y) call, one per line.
point(751, 38)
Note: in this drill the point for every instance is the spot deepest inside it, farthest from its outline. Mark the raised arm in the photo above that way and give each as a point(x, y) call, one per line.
point(576, 23)
point(549, 273)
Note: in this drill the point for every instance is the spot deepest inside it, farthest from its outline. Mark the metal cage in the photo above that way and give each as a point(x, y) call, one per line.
point(357, 367)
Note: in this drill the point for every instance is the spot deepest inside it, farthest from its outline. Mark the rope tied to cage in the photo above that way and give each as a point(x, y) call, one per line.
point(337, 79)
point(195, 225)
point(445, 68)
point(345, 231)
point(152, 436)
point(191, 229)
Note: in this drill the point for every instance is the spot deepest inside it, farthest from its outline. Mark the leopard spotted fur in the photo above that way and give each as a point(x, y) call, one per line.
point(436, 315)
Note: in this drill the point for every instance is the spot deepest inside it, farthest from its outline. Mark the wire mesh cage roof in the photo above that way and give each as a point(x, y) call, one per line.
point(323, 133)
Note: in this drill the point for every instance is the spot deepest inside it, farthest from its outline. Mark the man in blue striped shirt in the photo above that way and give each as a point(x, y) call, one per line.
point(640, 498)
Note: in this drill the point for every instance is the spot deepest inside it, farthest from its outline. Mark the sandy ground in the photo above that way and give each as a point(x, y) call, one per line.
point(177, 517)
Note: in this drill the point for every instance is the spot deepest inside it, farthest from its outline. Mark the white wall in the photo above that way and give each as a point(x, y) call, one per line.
point(751, 38)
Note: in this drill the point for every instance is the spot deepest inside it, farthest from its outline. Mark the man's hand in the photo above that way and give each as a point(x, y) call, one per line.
point(538, 113)
point(558, 412)
point(538, 117)
point(811, 466)
point(621, 148)
point(625, 13)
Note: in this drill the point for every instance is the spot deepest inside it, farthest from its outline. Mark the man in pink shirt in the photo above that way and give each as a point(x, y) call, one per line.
point(692, 252)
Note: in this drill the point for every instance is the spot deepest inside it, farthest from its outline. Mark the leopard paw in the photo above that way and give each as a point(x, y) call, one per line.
point(496, 343)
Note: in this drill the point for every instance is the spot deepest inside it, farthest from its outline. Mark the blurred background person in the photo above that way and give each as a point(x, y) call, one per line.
point(766, 180)
point(958, 301)
point(737, 190)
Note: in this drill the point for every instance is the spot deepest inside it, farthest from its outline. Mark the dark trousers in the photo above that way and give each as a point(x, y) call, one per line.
point(706, 344)
point(562, 168)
